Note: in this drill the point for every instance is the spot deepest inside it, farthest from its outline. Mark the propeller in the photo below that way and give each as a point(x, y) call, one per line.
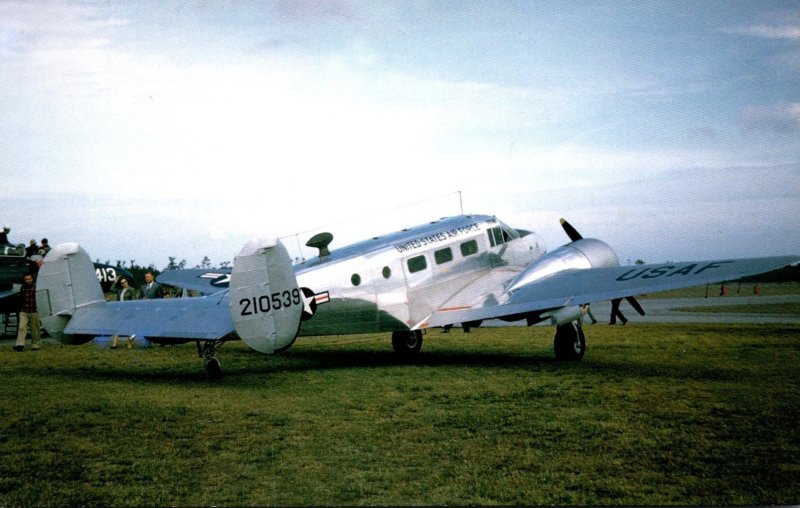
point(573, 235)
point(635, 304)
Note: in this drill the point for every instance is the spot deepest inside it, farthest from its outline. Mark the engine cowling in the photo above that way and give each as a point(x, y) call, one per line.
point(265, 302)
point(580, 254)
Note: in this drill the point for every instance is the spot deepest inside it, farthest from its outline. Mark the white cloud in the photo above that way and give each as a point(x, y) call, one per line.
point(791, 32)
point(780, 118)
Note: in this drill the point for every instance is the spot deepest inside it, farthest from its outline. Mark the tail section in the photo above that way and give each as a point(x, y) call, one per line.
point(265, 302)
point(66, 281)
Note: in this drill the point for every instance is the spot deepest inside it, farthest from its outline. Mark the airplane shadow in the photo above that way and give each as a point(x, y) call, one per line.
point(247, 368)
point(239, 364)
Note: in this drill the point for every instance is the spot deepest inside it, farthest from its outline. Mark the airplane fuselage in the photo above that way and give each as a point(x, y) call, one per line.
point(393, 282)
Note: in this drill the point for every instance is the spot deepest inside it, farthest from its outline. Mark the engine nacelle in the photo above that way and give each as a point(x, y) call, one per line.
point(564, 315)
point(265, 302)
point(580, 254)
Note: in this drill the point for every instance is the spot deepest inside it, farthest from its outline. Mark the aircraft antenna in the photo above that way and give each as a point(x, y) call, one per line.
point(373, 215)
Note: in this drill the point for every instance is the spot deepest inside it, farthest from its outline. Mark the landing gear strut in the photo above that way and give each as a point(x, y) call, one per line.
point(407, 343)
point(206, 351)
point(569, 343)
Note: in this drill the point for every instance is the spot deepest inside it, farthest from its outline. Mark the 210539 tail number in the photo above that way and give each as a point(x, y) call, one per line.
point(269, 303)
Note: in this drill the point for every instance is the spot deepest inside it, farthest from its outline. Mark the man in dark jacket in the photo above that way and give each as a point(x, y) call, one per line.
point(28, 315)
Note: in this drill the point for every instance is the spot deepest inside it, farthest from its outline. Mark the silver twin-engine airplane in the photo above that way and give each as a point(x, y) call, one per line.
point(456, 270)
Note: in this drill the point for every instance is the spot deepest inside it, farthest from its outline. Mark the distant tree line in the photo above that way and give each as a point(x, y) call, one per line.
point(138, 270)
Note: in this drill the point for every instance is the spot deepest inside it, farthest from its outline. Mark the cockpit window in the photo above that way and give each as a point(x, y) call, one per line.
point(501, 235)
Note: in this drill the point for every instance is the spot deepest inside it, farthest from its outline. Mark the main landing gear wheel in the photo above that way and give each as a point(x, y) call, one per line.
point(407, 343)
point(569, 343)
point(213, 369)
point(207, 350)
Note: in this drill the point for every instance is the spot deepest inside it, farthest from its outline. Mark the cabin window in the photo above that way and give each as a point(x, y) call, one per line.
point(387, 272)
point(355, 279)
point(469, 248)
point(417, 264)
point(443, 256)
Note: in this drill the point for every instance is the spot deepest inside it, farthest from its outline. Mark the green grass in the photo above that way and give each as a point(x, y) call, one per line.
point(654, 414)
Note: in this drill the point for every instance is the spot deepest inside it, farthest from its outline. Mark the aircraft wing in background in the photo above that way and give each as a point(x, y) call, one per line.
point(204, 281)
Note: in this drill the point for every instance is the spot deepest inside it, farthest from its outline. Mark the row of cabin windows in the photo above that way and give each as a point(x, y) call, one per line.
point(419, 263)
point(497, 236)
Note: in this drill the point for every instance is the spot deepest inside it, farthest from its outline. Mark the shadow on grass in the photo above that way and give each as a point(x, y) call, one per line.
point(242, 365)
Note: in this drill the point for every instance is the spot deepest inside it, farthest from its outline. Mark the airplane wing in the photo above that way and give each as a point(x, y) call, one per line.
point(9, 292)
point(201, 318)
point(9, 300)
point(477, 302)
point(202, 280)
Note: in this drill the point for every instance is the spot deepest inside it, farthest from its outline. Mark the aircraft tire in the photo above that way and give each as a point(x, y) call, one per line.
point(213, 369)
point(569, 343)
point(407, 342)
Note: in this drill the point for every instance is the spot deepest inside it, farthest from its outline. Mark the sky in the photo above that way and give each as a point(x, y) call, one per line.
point(146, 130)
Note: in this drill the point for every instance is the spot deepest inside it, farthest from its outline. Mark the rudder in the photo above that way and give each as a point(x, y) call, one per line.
point(265, 302)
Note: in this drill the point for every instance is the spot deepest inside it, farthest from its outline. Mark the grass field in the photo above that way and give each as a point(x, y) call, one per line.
point(654, 414)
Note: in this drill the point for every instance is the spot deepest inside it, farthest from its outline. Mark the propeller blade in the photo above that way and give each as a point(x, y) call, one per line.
point(572, 233)
point(635, 304)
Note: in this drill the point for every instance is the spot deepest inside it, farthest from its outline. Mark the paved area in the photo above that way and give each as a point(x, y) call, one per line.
point(665, 311)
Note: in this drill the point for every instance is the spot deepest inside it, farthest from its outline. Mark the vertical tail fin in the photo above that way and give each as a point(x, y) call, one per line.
point(265, 302)
point(66, 281)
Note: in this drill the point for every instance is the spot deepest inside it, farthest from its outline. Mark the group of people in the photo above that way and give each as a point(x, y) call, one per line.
point(125, 291)
point(29, 315)
point(34, 252)
point(33, 249)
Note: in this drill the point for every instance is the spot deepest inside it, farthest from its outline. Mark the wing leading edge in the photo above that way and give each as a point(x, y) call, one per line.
point(579, 286)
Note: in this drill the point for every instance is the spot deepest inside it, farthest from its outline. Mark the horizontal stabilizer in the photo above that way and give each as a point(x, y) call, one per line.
point(202, 318)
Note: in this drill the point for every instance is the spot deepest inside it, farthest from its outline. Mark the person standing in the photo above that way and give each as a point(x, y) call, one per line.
point(45, 248)
point(124, 292)
point(32, 249)
point(28, 315)
point(616, 313)
point(586, 310)
point(151, 288)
